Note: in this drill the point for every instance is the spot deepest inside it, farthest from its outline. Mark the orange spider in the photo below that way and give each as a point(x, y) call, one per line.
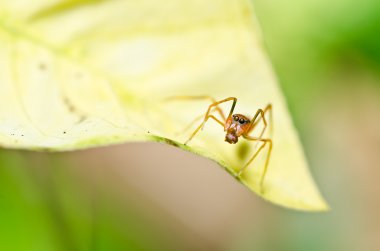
point(236, 125)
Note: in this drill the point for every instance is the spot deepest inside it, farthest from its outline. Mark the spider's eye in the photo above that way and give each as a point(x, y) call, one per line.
point(241, 121)
point(236, 118)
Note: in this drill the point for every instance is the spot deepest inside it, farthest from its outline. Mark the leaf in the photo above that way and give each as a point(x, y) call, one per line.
point(78, 74)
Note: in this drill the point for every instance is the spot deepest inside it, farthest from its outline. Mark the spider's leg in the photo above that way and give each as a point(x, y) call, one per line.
point(203, 97)
point(260, 115)
point(207, 115)
point(201, 125)
point(264, 143)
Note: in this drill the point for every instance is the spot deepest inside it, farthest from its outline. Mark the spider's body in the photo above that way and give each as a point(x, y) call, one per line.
point(235, 126)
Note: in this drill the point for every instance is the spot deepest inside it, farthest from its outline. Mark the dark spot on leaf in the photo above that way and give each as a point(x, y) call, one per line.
point(64, 132)
point(22, 135)
point(72, 109)
point(81, 119)
point(69, 105)
point(78, 75)
point(42, 66)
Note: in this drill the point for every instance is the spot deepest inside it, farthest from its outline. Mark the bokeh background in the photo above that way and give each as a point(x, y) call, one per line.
point(155, 197)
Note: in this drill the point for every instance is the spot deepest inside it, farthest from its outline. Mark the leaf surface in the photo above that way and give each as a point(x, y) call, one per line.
point(79, 74)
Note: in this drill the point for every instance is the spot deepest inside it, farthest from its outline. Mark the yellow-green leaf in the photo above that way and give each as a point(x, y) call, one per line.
point(78, 74)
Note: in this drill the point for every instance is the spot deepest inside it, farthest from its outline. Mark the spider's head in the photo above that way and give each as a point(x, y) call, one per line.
point(236, 125)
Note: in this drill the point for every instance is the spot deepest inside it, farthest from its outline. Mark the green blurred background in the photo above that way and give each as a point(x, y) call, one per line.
point(327, 58)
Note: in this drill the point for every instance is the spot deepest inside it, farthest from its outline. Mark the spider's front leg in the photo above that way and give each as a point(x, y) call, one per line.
point(260, 115)
point(207, 115)
point(201, 126)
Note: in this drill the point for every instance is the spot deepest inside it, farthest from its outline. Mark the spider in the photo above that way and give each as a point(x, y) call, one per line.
point(235, 126)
